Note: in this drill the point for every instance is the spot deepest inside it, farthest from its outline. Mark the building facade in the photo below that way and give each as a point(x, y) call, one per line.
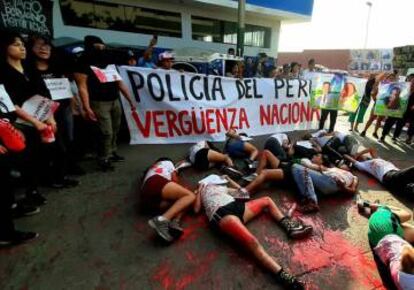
point(200, 24)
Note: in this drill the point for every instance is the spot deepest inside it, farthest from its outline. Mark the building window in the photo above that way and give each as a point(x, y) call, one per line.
point(213, 30)
point(108, 16)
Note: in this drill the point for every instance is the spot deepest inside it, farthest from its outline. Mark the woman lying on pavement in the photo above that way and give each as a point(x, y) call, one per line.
point(204, 155)
point(237, 146)
point(230, 215)
point(308, 177)
point(395, 179)
point(161, 192)
point(390, 236)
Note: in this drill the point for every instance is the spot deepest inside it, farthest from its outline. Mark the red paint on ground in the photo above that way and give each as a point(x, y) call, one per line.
point(193, 227)
point(179, 277)
point(109, 214)
point(372, 182)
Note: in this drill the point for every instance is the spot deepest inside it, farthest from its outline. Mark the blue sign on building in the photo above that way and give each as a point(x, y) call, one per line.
point(303, 7)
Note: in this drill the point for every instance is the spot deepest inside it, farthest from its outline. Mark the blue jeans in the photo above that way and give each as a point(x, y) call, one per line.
point(308, 181)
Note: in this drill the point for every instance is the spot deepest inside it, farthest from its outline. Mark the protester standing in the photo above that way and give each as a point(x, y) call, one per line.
point(147, 59)
point(100, 101)
point(363, 106)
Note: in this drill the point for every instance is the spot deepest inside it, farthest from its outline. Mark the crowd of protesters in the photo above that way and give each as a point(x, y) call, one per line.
point(47, 153)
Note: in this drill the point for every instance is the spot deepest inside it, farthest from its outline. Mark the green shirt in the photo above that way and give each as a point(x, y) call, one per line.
point(381, 223)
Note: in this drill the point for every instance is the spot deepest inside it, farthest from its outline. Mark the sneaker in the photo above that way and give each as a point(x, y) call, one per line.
point(65, 183)
point(295, 229)
point(161, 227)
point(35, 198)
point(362, 204)
point(408, 141)
point(232, 172)
point(21, 210)
point(12, 138)
point(17, 238)
point(175, 229)
point(375, 135)
point(409, 189)
point(116, 158)
point(250, 177)
point(106, 165)
point(382, 140)
point(363, 133)
point(289, 281)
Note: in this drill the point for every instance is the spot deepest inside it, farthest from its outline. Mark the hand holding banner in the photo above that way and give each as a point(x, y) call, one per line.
point(106, 75)
point(6, 104)
point(39, 107)
point(59, 88)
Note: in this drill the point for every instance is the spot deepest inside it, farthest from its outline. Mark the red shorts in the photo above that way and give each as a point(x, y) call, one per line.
point(151, 192)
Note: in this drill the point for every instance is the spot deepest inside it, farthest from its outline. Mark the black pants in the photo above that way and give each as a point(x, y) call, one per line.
point(6, 198)
point(333, 114)
point(400, 125)
point(396, 180)
point(273, 145)
point(331, 150)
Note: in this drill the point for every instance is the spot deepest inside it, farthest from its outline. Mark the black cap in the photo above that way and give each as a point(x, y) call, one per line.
point(90, 40)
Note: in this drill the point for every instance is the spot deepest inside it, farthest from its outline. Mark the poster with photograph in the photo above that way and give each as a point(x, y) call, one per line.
point(326, 90)
point(351, 94)
point(392, 99)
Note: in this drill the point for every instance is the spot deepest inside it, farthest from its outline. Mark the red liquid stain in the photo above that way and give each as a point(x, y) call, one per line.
point(109, 214)
point(193, 227)
point(179, 277)
point(372, 182)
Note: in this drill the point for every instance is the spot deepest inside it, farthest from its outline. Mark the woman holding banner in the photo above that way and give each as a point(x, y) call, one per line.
point(41, 62)
point(21, 87)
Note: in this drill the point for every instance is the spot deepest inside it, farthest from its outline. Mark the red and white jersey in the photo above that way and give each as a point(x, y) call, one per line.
point(162, 168)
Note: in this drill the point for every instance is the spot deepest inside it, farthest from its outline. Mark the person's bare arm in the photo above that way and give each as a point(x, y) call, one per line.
point(313, 166)
point(316, 145)
point(125, 92)
point(40, 126)
point(81, 81)
point(232, 183)
point(197, 202)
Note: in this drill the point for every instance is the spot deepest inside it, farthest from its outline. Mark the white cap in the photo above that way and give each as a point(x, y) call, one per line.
point(166, 55)
point(77, 49)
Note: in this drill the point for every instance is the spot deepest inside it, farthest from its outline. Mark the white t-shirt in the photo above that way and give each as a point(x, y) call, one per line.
point(280, 137)
point(213, 197)
point(341, 136)
point(346, 176)
point(305, 144)
point(162, 168)
point(389, 251)
point(376, 167)
point(306, 162)
point(195, 148)
point(321, 137)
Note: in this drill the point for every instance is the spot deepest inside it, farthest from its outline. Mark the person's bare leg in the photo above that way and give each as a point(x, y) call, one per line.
point(267, 159)
point(251, 150)
point(371, 119)
point(408, 232)
point(234, 228)
point(181, 197)
point(378, 124)
point(217, 157)
point(266, 175)
point(256, 207)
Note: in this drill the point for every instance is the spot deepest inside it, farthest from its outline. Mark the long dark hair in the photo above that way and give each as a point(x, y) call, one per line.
point(7, 39)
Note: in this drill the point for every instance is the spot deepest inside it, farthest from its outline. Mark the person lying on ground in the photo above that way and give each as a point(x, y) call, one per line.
point(236, 147)
point(160, 192)
point(395, 179)
point(308, 178)
point(229, 216)
point(204, 156)
point(390, 236)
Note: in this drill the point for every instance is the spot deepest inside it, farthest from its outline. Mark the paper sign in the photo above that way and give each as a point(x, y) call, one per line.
point(6, 105)
point(213, 179)
point(59, 88)
point(107, 75)
point(39, 107)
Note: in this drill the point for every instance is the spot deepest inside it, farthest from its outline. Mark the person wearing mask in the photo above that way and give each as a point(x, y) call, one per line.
point(100, 101)
point(41, 62)
point(21, 86)
point(147, 58)
point(407, 117)
point(363, 105)
point(166, 60)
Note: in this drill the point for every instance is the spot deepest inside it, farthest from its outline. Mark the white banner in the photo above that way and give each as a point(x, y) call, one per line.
point(6, 105)
point(174, 107)
point(39, 107)
point(106, 75)
point(59, 88)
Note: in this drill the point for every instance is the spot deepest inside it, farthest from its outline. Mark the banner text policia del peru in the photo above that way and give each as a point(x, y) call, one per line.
point(175, 107)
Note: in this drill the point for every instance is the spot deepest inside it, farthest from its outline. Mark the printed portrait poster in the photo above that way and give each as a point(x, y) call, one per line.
point(326, 90)
point(351, 94)
point(392, 99)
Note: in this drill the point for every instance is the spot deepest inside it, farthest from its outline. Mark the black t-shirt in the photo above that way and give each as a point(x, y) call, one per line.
point(368, 89)
point(97, 91)
point(22, 86)
point(53, 72)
